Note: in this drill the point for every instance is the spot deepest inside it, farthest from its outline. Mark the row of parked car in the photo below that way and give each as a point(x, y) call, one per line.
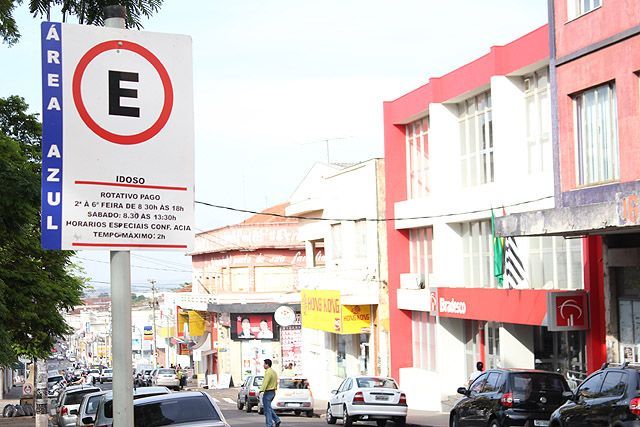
point(360, 398)
point(87, 405)
point(511, 397)
point(167, 377)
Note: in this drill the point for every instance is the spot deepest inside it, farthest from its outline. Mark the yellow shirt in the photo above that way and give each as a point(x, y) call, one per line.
point(270, 381)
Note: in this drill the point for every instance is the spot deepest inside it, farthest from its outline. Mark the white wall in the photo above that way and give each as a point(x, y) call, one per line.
point(516, 346)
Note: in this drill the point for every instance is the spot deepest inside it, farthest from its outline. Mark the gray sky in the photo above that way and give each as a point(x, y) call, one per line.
point(273, 79)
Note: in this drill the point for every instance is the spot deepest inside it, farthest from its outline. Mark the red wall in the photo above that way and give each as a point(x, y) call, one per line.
point(611, 18)
point(619, 62)
point(594, 284)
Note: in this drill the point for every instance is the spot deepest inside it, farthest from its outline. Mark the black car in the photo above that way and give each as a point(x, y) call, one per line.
point(510, 397)
point(608, 397)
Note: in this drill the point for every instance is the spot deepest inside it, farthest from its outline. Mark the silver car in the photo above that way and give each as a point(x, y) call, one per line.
point(66, 411)
point(187, 408)
point(88, 408)
point(104, 412)
point(167, 377)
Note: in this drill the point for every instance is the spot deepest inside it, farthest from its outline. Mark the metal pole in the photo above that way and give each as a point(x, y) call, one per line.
point(155, 344)
point(114, 17)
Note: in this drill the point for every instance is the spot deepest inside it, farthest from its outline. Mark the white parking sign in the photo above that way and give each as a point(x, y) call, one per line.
point(118, 156)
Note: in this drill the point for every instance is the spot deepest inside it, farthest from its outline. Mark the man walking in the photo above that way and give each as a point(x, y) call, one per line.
point(268, 390)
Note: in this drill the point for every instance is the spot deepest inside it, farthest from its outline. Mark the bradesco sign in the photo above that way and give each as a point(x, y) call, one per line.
point(117, 169)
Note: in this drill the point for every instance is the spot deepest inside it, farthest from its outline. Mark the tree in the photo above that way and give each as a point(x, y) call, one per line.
point(35, 285)
point(87, 12)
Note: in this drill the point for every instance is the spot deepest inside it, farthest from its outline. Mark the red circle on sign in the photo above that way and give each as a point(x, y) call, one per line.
point(82, 110)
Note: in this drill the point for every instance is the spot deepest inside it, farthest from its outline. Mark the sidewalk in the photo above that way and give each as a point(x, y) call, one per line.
point(13, 398)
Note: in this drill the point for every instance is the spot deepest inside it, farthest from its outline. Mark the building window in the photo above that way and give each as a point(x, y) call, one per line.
point(336, 241)
point(555, 263)
point(478, 254)
point(476, 140)
point(420, 252)
point(361, 238)
point(536, 95)
point(597, 135)
point(417, 146)
point(580, 7)
point(424, 340)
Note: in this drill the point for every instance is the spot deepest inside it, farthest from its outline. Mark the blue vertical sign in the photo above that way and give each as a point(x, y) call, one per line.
point(51, 222)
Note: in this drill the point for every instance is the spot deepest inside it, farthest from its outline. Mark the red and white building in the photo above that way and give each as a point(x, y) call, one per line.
point(595, 64)
point(477, 138)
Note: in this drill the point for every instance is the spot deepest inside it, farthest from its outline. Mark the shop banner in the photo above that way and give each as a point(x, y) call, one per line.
point(321, 310)
point(254, 326)
point(148, 333)
point(196, 324)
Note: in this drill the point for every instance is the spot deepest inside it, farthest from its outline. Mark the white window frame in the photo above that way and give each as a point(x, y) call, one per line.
point(570, 249)
point(477, 252)
point(538, 116)
point(476, 140)
point(421, 252)
point(577, 8)
point(596, 136)
point(417, 149)
point(423, 327)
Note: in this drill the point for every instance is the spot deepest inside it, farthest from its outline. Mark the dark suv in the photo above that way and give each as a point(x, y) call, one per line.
point(608, 397)
point(510, 397)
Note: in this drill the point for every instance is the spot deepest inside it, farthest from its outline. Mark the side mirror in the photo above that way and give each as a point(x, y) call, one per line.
point(334, 391)
point(462, 390)
point(87, 420)
point(568, 395)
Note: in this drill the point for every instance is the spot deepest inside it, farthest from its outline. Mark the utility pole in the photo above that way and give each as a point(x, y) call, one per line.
point(153, 305)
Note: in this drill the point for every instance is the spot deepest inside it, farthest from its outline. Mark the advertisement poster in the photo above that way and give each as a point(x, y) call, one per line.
point(253, 327)
point(253, 355)
point(291, 345)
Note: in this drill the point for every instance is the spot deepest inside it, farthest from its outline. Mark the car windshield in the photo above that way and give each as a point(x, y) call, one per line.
point(108, 371)
point(527, 385)
point(174, 411)
point(293, 383)
point(76, 397)
point(166, 371)
point(257, 381)
point(375, 382)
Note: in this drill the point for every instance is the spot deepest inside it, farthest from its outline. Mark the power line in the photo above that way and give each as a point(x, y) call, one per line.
point(307, 218)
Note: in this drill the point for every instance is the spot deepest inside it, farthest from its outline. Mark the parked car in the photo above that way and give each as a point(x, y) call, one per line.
point(68, 403)
point(608, 397)
point(367, 398)
point(94, 373)
point(249, 392)
point(104, 412)
point(52, 380)
point(510, 397)
point(88, 408)
point(292, 395)
point(167, 377)
point(188, 408)
point(146, 377)
point(106, 375)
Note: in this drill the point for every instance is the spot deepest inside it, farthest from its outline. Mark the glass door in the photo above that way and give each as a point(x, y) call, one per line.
point(492, 347)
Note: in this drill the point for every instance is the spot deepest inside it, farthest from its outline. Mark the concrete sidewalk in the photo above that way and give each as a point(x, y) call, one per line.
point(13, 398)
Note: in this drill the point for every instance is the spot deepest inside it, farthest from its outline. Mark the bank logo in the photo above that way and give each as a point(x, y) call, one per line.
point(570, 311)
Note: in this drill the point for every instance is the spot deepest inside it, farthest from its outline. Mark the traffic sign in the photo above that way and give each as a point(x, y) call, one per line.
point(117, 169)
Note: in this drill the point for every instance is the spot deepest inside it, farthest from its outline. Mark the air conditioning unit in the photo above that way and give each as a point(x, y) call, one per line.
point(412, 281)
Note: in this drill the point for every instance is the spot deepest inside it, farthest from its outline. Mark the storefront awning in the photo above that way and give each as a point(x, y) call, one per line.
point(202, 348)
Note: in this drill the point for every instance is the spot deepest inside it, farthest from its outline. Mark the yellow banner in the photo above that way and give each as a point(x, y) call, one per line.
point(196, 324)
point(321, 310)
point(356, 319)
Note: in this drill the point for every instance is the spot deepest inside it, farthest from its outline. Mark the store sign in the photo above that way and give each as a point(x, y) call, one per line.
point(321, 310)
point(568, 311)
point(253, 326)
point(285, 316)
point(148, 333)
point(117, 139)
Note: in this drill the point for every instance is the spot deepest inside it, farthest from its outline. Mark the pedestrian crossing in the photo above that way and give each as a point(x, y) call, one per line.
point(224, 399)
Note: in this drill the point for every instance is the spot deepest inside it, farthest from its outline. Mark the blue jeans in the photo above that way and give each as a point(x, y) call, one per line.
point(269, 415)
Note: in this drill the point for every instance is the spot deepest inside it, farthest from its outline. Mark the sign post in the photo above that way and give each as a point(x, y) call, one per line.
point(117, 168)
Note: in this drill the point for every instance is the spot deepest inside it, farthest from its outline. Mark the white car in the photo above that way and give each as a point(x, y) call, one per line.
point(106, 375)
point(167, 377)
point(367, 399)
point(292, 395)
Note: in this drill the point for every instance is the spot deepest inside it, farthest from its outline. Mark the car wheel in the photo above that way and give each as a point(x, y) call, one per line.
point(454, 420)
point(329, 417)
point(346, 418)
point(494, 423)
point(248, 408)
point(381, 423)
point(309, 414)
point(240, 405)
point(297, 413)
point(400, 421)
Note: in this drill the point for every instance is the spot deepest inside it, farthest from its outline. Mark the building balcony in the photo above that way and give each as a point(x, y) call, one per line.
point(357, 286)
